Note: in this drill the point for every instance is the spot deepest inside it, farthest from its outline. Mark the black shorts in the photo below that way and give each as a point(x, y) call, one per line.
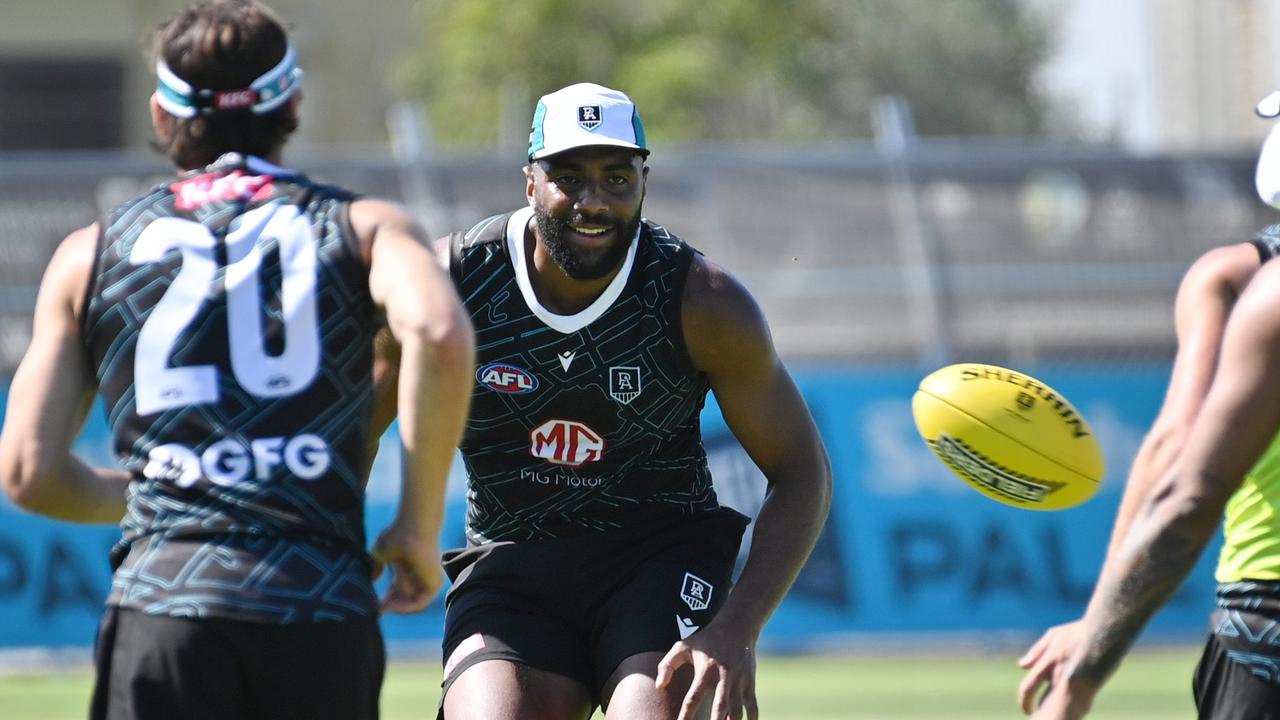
point(579, 606)
point(163, 667)
point(1238, 676)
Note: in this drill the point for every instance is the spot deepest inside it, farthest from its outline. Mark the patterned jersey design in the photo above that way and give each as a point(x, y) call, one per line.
point(584, 429)
point(1247, 621)
point(230, 326)
point(1267, 241)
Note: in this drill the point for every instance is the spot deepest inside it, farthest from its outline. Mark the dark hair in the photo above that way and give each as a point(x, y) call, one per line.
point(222, 45)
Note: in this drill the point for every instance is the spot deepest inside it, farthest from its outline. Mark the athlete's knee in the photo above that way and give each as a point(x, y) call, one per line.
point(503, 690)
point(630, 693)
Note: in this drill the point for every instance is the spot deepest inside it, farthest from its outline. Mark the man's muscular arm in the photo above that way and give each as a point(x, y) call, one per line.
point(1238, 420)
point(1204, 300)
point(729, 340)
point(49, 399)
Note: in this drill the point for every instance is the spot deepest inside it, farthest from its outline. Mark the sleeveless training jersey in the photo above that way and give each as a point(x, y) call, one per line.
point(230, 327)
point(579, 423)
point(1251, 522)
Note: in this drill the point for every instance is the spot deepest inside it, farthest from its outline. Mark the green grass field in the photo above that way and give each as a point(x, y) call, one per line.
point(1152, 684)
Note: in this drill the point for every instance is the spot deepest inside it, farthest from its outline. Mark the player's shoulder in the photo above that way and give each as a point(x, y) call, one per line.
point(492, 229)
point(376, 207)
point(721, 318)
point(1266, 280)
point(1255, 310)
point(372, 218)
point(371, 215)
point(1228, 267)
point(70, 269)
point(1263, 292)
point(82, 240)
point(484, 239)
point(78, 250)
point(711, 287)
point(662, 237)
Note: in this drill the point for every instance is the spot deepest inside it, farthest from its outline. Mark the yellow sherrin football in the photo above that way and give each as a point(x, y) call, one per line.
point(1010, 436)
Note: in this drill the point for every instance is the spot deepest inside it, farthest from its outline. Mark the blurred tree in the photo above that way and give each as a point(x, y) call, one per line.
point(732, 69)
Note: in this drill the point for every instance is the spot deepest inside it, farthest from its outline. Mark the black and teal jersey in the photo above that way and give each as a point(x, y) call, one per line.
point(1267, 242)
point(579, 423)
point(230, 327)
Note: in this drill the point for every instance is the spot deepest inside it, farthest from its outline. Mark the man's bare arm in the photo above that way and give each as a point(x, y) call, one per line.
point(1238, 421)
point(433, 390)
point(729, 340)
point(49, 398)
point(1205, 297)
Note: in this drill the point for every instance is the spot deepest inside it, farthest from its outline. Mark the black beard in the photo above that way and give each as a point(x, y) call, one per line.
point(578, 265)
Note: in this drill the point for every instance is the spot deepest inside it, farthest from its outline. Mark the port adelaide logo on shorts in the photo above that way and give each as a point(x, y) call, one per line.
point(696, 592)
point(624, 383)
point(506, 378)
point(589, 117)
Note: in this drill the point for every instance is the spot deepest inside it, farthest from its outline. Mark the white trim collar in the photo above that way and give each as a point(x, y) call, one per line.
point(562, 323)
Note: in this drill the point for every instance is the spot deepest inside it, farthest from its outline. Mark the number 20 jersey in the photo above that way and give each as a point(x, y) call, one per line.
point(230, 326)
point(586, 423)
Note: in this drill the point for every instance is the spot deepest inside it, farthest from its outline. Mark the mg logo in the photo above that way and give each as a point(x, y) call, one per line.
point(566, 442)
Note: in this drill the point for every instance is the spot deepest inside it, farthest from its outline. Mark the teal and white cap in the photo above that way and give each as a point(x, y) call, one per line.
point(585, 115)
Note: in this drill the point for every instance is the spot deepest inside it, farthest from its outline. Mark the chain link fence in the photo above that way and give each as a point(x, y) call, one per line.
point(1025, 253)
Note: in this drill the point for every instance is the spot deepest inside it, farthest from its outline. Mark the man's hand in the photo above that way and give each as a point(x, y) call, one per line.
point(1066, 701)
point(1046, 664)
point(416, 575)
point(1044, 660)
point(724, 663)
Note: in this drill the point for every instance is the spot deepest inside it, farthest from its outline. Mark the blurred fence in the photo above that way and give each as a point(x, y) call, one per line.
point(1035, 253)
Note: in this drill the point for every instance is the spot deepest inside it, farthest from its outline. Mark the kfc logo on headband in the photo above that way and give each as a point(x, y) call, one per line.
point(589, 117)
point(235, 99)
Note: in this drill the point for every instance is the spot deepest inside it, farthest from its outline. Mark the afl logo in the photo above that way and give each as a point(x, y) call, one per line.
point(504, 378)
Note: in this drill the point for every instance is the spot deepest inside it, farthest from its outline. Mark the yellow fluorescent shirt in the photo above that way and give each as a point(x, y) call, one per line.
point(1251, 524)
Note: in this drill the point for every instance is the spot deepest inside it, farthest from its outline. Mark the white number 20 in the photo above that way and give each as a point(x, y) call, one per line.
point(158, 386)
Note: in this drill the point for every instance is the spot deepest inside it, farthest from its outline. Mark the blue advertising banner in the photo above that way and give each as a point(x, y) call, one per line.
point(909, 549)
